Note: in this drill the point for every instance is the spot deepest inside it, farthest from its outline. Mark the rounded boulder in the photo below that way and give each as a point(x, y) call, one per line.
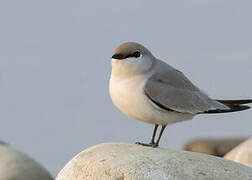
point(242, 153)
point(15, 165)
point(120, 161)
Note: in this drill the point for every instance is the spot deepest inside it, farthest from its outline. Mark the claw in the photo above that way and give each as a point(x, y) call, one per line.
point(148, 144)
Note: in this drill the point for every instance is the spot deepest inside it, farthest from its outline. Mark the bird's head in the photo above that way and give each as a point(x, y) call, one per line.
point(131, 58)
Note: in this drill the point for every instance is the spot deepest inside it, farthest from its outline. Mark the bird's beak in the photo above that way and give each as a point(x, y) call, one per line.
point(118, 56)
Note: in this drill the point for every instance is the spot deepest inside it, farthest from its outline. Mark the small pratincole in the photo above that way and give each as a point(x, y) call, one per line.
point(149, 90)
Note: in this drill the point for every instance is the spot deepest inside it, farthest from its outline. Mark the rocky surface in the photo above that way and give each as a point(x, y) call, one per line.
point(216, 147)
point(135, 162)
point(3, 143)
point(242, 153)
point(15, 165)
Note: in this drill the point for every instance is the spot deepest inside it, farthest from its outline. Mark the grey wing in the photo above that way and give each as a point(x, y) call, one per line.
point(172, 90)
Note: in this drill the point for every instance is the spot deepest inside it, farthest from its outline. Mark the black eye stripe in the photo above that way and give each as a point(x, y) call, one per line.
point(135, 54)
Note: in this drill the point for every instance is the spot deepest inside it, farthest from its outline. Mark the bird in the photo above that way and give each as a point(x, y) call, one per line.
point(147, 89)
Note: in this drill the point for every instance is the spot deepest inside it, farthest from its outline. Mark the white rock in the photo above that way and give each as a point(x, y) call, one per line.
point(242, 153)
point(217, 147)
point(135, 162)
point(15, 165)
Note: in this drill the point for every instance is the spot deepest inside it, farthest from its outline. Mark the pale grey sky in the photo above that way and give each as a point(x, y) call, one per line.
point(55, 67)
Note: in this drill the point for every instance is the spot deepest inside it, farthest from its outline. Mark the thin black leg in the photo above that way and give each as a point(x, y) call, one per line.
point(154, 134)
point(160, 134)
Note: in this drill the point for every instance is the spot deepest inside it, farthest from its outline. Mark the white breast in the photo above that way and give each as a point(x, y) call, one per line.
point(128, 95)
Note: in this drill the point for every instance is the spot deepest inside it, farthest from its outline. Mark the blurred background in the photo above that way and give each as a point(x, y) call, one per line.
point(55, 68)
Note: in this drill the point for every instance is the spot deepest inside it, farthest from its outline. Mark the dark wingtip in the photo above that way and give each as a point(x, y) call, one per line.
point(244, 107)
point(233, 108)
point(240, 101)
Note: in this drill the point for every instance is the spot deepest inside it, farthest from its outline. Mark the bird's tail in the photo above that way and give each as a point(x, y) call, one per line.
point(234, 105)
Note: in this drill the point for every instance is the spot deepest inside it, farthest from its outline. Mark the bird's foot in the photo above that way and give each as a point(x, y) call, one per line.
point(154, 145)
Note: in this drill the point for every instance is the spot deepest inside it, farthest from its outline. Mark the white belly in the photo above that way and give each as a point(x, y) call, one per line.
point(128, 95)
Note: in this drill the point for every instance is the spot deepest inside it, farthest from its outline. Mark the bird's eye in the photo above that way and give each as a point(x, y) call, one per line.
point(136, 54)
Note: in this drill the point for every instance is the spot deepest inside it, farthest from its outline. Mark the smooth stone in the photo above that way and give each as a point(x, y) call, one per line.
point(15, 165)
point(121, 161)
point(242, 153)
point(217, 147)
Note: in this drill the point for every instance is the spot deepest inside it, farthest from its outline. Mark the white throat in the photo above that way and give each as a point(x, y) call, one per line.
point(131, 66)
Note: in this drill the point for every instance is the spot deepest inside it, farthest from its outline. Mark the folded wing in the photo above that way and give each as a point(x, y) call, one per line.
point(173, 91)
